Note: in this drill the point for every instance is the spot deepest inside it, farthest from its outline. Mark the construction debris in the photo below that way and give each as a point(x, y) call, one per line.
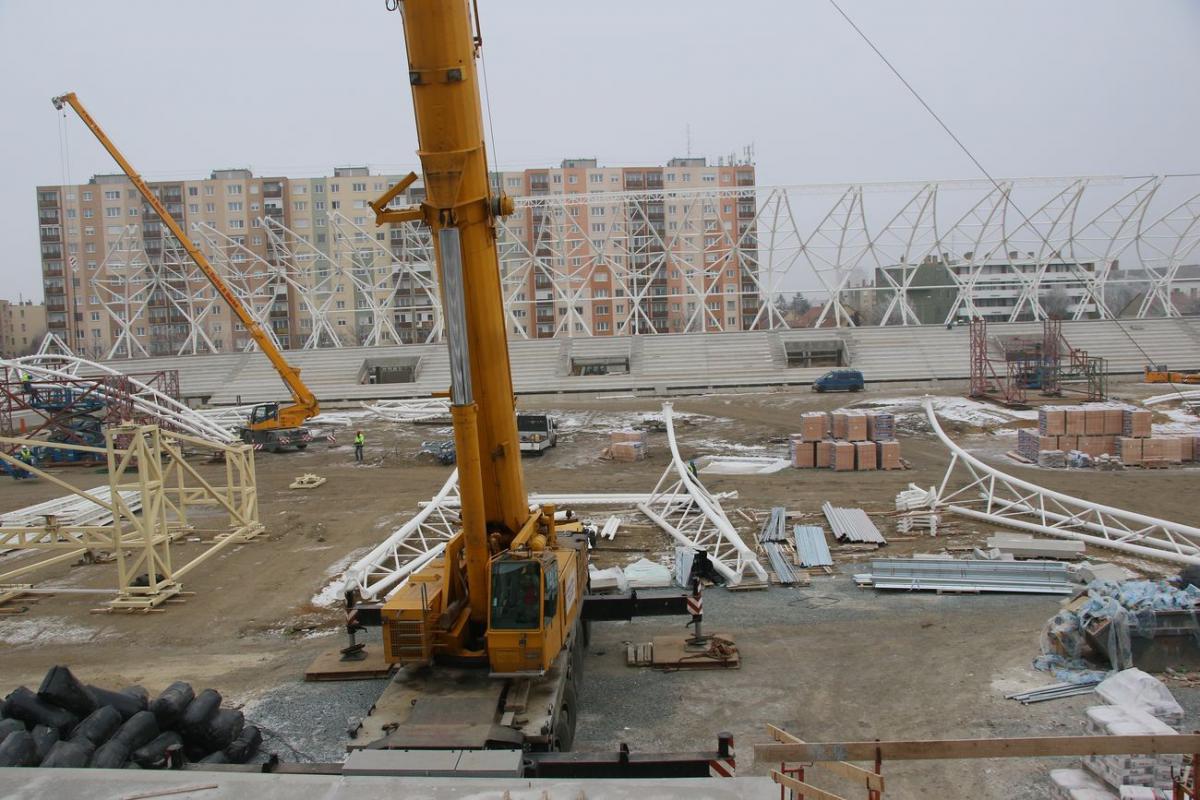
point(968, 575)
point(609, 531)
point(306, 481)
point(918, 513)
point(1054, 691)
point(852, 525)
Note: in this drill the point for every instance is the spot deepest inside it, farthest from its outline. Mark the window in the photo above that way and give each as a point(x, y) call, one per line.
point(90, 247)
point(208, 190)
point(112, 194)
point(193, 191)
point(71, 213)
point(558, 178)
point(358, 187)
point(236, 205)
point(88, 213)
point(256, 241)
point(512, 183)
point(112, 211)
point(318, 188)
point(360, 203)
point(573, 179)
point(95, 316)
point(87, 197)
point(318, 205)
point(193, 208)
point(92, 264)
point(237, 224)
point(335, 204)
point(602, 325)
point(233, 188)
point(333, 187)
point(709, 178)
point(299, 205)
point(95, 333)
point(299, 188)
point(595, 177)
point(516, 594)
point(211, 208)
point(133, 212)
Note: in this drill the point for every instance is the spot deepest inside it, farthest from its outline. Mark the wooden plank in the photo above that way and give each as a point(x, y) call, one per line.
point(850, 772)
point(1024, 747)
point(809, 791)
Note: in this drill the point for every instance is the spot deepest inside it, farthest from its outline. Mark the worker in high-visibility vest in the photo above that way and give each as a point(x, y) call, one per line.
point(359, 441)
point(25, 456)
point(27, 385)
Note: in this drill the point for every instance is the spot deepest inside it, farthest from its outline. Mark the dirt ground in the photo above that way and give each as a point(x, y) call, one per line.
point(830, 661)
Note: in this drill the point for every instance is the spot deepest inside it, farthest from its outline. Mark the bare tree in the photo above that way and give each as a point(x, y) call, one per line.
point(1056, 303)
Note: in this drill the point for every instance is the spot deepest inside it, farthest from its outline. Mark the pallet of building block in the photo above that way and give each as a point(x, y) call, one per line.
point(1055, 459)
point(1029, 443)
point(865, 457)
point(889, 455)
point(1164, 449)
point(843, 456)
point(627, 435)
point(1077, 784)
point(881, 426)
point(1052, 421)
point(814, 426)
point(1093, 420)
point(1136, 422)
point(824, 454)
point(856, 426)
point(1075, 424)
point(1114, 420)
point(838, 424)
point(1129, 770)
point(627, 451)
point(803, 454)
point(1189, 447)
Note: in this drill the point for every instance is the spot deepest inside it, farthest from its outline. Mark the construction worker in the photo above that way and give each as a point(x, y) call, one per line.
point(692, 467)
point(359, 441)
point(27, 385)
point(25, 456)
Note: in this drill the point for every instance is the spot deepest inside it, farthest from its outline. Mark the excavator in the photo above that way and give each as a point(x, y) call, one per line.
point(271, 426)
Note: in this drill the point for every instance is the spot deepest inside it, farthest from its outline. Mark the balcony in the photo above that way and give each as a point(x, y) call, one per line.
point(48, 216)
point(55, 306)
point(51, 233)
point(272, 189)
point(745, 211)
point(52, 269)
point(47, 199)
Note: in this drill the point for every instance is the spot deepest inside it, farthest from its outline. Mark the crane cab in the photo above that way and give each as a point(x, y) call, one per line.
point(535, 601)
point(265, 429)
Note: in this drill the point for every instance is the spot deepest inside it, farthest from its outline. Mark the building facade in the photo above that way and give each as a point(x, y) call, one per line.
point(22, 326)
point(591, 251)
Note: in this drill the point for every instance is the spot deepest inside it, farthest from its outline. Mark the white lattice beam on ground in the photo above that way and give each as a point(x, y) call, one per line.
point(682, 507)
point(416, 410)
point(992, 496)
point(415, 543)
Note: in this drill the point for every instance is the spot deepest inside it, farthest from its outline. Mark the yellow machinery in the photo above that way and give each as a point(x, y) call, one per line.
point(507, 590)
point(1158, 373)
point(271, 424)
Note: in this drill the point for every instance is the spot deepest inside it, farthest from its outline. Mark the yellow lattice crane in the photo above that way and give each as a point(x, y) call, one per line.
point(273, 425)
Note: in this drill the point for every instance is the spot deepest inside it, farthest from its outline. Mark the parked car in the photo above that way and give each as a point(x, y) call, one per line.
point(839, 380)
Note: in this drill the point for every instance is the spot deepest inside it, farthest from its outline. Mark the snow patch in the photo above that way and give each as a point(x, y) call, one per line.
point(331, 594)
point(47, 631)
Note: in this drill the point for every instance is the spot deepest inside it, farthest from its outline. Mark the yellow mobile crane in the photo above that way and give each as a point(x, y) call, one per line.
point(500, 607)
point(272, 425)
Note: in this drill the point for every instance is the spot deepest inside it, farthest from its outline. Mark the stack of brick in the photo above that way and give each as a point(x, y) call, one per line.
point(627, 445)
point(1076, 784)
point(1108, 429)
point(845, 440)
point(1130, 770)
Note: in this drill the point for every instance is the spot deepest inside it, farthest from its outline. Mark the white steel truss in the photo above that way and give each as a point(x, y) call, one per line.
point(715, 258)
point(973, 489)
point(682, 507)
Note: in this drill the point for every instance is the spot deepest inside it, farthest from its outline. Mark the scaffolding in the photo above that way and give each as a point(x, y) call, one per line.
point(1047, 364)
point(154, 494)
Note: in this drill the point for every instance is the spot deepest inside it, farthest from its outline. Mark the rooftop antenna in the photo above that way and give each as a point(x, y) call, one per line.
point(688, 129)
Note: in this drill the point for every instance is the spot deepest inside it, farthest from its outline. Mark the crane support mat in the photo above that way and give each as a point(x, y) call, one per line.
point(673, 652)
point(329, 666)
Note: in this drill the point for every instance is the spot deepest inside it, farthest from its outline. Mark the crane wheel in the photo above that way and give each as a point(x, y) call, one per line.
point(564, 729)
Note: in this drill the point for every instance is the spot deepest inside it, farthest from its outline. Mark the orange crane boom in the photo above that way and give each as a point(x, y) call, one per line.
point(304, 404)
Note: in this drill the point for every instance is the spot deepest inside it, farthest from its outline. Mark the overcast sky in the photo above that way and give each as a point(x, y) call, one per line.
point(1070, 87)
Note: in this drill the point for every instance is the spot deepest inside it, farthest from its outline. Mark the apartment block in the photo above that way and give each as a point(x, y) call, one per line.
point(634, 250)
point(592, 251)
point(22, 326)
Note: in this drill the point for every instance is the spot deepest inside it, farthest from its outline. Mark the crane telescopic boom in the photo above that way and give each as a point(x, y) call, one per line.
point(304, 404)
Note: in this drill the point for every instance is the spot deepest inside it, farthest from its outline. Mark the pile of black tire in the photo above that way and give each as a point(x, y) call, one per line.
point(68, 724)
